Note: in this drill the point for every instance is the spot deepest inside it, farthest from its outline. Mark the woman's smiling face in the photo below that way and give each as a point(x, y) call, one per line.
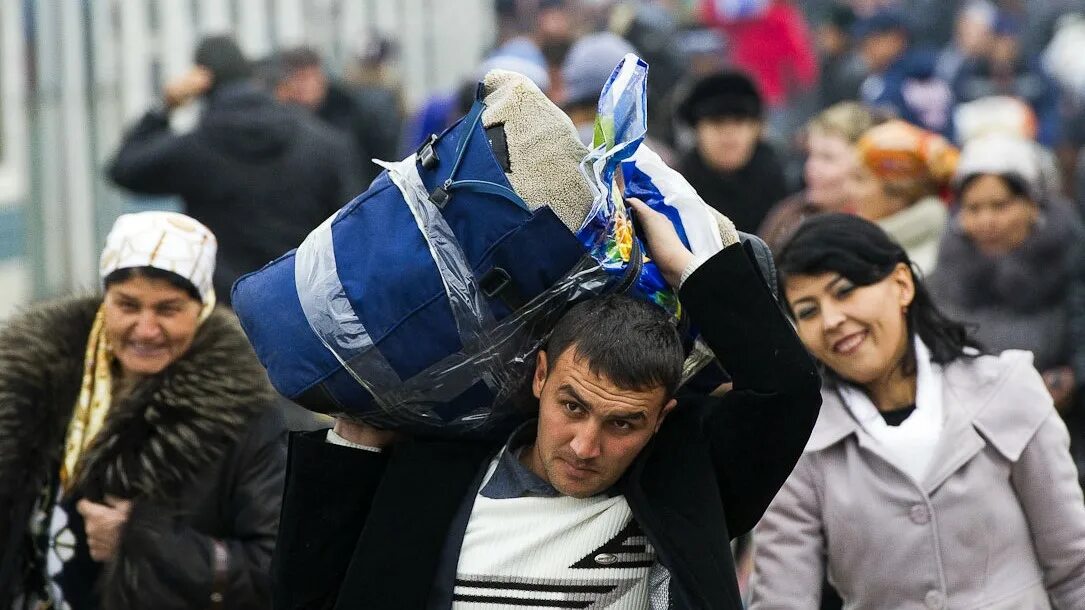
point(860, 332)
point(149, 323)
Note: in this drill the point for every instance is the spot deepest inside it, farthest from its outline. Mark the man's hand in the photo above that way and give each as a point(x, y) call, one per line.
point(104, 523)
point(363, 434)
point(187, 87)
point(667, 250)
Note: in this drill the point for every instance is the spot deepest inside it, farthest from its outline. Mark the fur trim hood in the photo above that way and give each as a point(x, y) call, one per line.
point(157, 439)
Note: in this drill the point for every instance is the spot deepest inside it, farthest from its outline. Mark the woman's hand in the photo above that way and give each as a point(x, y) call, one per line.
point(103, 524)
point(667, 250)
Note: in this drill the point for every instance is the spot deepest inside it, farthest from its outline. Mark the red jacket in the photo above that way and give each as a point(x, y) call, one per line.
point(774, 47)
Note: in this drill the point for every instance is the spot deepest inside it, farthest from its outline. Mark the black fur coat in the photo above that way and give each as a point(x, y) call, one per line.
point(198, 448)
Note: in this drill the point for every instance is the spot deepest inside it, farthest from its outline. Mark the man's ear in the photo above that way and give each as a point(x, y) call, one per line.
point(667, 408)
point(539, 378)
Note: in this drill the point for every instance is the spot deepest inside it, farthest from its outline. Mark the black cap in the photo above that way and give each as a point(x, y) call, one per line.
point(222, 56)
point(724, 94)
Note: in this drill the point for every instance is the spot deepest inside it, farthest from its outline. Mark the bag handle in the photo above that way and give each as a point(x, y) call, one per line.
point(442, 194)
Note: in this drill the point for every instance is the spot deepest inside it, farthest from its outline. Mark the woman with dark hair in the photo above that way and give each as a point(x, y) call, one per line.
point(141, 453)
point(936, 475)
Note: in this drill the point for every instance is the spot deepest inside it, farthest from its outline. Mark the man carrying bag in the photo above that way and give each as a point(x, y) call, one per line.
point(620, 495)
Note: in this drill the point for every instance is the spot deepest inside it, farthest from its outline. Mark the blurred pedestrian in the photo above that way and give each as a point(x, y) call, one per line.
point(770, 41)
point(253, 169)
point(141, 456)
point(587, 66)
point(732, 168)
point(972, 38)
point(442, 110)
point(936, 476)
point(831, 162)
point(902, 170)
point(1005, 71)
point(374, 130)
point(842, 70)
point(1008, 259)
point(902, 78)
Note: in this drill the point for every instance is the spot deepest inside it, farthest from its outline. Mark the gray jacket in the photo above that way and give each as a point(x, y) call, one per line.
point(998, 522)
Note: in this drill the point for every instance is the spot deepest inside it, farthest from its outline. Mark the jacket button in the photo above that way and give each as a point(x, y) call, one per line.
point(919, 514)
point(935, 600)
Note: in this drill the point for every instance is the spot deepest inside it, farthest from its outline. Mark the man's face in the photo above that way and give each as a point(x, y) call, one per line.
point(590, 430)
point(881, 49)
point(726, 144)
point(305, 87)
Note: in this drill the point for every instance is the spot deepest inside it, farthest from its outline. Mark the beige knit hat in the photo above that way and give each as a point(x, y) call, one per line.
point(544, 149)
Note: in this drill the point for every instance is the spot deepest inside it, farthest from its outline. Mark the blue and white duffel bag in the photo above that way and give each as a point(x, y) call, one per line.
point(421, 303)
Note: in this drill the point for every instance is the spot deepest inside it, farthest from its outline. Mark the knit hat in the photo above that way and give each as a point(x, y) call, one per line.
point(724, 94)
point(518, 55)
point(994, 114)
point(1002, 154)
point(897, 151)
point(164, 240)
point(223, 58)
point(588, 65)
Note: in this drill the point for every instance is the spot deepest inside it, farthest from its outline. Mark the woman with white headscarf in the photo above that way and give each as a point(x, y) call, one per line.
point(141, 460)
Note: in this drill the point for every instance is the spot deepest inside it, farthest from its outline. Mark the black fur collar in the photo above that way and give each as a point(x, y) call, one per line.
point(157, 439)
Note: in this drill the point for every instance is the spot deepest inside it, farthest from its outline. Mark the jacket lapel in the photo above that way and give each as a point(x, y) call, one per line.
point(422, 489)
point(974, 392)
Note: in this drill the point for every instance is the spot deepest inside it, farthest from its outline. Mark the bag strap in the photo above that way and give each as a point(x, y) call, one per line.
point(442, 194)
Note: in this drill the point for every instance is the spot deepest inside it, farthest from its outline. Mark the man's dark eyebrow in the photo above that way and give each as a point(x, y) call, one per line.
point(570, 391)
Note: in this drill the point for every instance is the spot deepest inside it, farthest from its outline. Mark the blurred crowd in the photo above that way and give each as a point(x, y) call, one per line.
point(956, 127)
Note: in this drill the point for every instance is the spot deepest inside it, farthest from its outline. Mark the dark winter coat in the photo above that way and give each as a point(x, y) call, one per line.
point(371, 119)
point(911, 90)
point(745, 196)
point(259, 174)
point(365, 530)
point(198, 448)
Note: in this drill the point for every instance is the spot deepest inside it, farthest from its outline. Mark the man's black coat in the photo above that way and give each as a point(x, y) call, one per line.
point(365, 530)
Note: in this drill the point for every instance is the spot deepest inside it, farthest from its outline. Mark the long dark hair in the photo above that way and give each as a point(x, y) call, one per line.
point(861, 252)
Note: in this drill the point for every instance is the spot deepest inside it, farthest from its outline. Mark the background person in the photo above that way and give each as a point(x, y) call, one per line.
point(252, 169)
point(831, 161)
point(730, 165)
point(901, 172)
point(936, 476)
point(141, 457)
point(372, 128)
point(1008, 260)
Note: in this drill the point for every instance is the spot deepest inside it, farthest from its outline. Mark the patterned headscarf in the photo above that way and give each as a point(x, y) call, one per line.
point(897, 152)
point(163, 240)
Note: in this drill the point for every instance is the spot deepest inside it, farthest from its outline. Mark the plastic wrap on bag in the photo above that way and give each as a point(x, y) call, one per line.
point(608, 232)
point(498, 354)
